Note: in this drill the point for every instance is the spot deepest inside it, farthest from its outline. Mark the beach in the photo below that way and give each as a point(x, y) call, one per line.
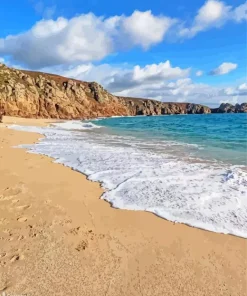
point(59, 238)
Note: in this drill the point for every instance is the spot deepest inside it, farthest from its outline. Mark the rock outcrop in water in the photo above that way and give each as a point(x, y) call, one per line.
point(229, 108)
point(42, 95)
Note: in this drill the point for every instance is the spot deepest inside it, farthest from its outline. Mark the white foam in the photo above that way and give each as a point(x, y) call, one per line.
point(76, 125)
point(208, 195)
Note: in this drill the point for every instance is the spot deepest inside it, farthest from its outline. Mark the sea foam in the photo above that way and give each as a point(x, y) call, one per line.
point(203, 194)
point(75, 125)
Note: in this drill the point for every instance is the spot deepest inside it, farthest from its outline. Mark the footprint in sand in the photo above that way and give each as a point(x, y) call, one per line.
point(3, 198)
point(81, 246)
point(22, 208)
point(61, 222)
point(10, 192)
point(2, 255)
point(16, 258)
point(75, 231)
point(14, 201)
point(7, 231)
point(22, 219)
point(4, 283)
point(3, 221)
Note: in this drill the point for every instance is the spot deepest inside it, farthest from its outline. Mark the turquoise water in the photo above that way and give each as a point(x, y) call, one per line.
point(218, 136)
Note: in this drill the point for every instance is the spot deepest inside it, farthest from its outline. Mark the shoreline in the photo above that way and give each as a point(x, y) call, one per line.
point(94, 164)
point(121, 252)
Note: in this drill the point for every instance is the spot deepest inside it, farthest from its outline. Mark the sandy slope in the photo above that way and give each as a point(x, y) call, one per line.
point(58, 238)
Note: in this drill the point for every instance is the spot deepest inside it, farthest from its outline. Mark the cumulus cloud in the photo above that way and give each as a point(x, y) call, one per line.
point(185, 90)
point(118, 79)
point(88, 72)
point(144, 29)
point(223, 69)
point(239, 14)
point(159, 81)
point(56, 42)
point(243, 87)
point(84, 38)
point(199, 73)
point(88, 38)
point(238, 91)
point(148, 74)
point(213, 14)
point(180, 90)
point(233, 95)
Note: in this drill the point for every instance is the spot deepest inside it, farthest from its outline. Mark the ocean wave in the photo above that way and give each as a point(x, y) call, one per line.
point(76, 125)
point(208, 195)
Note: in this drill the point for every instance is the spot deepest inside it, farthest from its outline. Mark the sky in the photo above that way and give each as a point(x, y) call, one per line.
point(181, 50)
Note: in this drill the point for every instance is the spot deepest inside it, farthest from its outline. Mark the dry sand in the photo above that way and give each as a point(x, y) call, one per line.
point(57, 237)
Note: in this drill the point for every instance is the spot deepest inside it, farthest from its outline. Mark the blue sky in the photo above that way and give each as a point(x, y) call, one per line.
point(125, 45)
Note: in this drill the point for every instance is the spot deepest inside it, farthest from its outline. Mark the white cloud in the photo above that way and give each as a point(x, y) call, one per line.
point(88, 72)
point(185, 90)
point(58, 42)
point(145, 29)
point(88, 38)
point(84, 38)
point(223, 69)
point(240, 13)
point(158, 81)
point(234, 95)
point(180, 90)
point(233, 100)
point(148, 74)
point(199, 73)
point(120, 78)
point(243, 86)
point(213, 14)
point(236, 91)
point(212, 11)
point(229, 91)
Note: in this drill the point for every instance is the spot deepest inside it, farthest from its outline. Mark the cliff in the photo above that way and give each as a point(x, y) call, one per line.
point(42, 95)
point(229, 108)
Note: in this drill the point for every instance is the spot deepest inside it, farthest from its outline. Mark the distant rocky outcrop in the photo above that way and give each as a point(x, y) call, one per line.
point(152, 107)
point(229, 108)
point(41, 95)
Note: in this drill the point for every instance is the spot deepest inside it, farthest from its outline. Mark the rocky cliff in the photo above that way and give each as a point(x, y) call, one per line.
point(229, 108)
point(42, 95)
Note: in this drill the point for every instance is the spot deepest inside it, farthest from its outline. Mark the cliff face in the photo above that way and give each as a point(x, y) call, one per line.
point(34, 94)
point(152, 107)
point(229, 108)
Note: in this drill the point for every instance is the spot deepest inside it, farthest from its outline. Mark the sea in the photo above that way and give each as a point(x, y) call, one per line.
point(189, 169)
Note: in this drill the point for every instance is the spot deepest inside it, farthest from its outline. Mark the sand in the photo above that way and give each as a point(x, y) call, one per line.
point(57, 237)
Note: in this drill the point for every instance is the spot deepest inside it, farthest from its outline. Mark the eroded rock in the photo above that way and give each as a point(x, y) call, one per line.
point(34, 94)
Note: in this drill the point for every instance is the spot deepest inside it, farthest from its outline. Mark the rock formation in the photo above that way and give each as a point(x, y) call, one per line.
point(229, 108)
point(41, 95)
point(33, 94)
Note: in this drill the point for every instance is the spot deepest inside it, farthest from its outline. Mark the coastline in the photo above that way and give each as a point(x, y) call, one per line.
point(74, 241)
